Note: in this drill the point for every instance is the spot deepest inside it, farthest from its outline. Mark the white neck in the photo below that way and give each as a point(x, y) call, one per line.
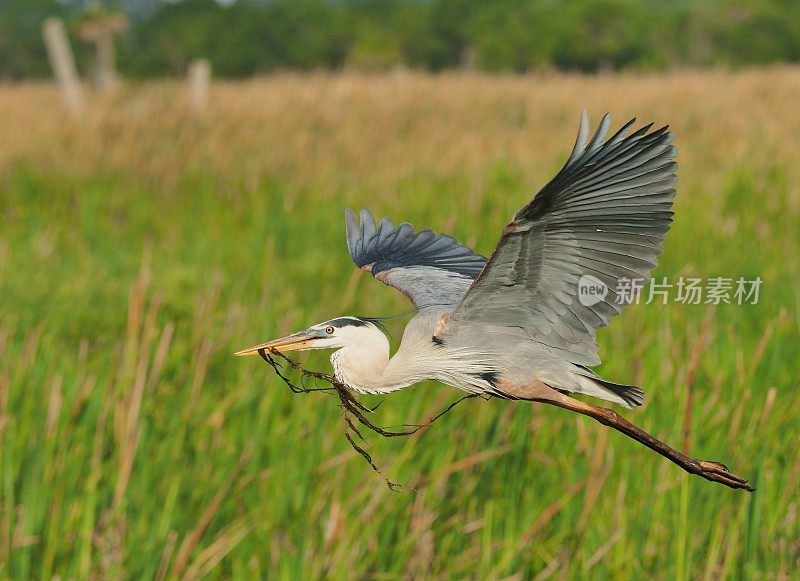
point(363, 364)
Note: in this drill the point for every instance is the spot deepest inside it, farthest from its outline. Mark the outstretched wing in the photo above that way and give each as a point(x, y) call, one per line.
point(603, 216)
point(429, 268)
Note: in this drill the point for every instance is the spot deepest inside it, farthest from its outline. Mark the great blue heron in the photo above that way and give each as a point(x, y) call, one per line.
point(514, 326)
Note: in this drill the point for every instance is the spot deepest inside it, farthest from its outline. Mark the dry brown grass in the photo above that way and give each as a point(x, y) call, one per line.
point(377, 130)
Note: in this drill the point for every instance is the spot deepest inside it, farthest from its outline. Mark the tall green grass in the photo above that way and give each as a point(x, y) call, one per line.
point(141, 247)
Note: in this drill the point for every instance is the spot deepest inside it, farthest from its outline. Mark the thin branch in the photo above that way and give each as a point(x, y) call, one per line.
point(393, 486)
point(429, 423)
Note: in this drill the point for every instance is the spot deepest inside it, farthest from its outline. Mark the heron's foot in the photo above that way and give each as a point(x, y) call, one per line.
point(718, 472)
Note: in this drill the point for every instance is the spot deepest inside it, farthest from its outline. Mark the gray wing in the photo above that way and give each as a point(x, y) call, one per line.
point(429, 268)
point(604, 215)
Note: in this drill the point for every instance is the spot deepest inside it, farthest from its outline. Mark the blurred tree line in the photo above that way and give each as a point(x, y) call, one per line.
point(247, 37)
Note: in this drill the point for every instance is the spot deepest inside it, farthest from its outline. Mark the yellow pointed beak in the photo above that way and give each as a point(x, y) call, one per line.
point(293, 342)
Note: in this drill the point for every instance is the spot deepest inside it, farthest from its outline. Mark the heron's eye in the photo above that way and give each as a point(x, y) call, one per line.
point(329, 330)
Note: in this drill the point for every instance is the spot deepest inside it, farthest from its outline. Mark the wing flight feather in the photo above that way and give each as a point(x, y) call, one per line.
point(604, 215)
point(429, 268)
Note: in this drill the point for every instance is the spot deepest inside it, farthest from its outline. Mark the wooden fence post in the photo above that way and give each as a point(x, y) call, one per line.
point(199, 80)
point(63, 63)
point(100, 30)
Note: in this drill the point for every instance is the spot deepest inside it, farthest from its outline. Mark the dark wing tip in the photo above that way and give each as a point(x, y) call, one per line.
point(620, 155)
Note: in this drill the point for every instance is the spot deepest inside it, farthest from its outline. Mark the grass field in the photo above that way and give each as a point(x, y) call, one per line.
point(142, 245)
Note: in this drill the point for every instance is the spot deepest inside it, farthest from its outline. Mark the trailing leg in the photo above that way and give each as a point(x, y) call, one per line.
point(713, 471)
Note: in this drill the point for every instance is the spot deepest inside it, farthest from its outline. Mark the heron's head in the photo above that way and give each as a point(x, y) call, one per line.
point(333, 334)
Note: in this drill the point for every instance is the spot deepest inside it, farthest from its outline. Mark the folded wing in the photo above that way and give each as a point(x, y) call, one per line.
point(604, 215)
point(431, 269)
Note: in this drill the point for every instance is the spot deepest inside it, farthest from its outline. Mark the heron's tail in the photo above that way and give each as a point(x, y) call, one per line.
point(629, 396)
